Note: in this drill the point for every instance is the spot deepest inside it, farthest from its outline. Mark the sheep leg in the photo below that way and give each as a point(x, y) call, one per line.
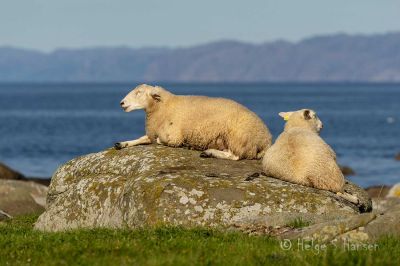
point(228, 155)
point(140, 141)
point(348, 197)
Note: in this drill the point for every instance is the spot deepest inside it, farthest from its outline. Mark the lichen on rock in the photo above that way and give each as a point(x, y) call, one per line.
point(153, 184)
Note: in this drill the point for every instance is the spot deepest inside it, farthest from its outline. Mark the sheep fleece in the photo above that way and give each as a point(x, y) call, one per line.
point(301, 156)
point(204, 123)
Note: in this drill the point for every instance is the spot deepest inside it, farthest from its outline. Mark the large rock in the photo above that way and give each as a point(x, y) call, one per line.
point(21, 197)
point(152, 185)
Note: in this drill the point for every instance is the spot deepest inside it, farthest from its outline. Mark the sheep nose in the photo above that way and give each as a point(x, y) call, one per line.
point(122, 103)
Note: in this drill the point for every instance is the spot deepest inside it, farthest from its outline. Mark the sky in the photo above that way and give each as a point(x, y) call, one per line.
point(49, 24)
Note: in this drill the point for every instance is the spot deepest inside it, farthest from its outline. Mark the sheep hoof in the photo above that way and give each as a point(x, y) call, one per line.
point(205, 155)
point(118, 146)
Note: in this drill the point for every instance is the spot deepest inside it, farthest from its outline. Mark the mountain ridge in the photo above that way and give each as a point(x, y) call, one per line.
point(324, 58)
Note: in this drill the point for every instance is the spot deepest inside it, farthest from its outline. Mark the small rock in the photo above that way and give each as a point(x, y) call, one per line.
point(394, 192)
point(378, 191)
point(347, 171)
point(8, 173)
point(21, 197)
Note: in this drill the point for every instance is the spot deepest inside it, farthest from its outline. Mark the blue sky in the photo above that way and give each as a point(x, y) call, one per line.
point(49, 24)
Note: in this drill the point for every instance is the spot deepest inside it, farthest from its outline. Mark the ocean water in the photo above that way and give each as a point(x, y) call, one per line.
point(45, 125)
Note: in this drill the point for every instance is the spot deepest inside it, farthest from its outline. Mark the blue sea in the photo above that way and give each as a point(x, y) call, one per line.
point(45, 125)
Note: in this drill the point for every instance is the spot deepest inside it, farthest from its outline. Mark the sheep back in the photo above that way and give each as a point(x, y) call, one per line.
point(202, 123)
point(301, 156)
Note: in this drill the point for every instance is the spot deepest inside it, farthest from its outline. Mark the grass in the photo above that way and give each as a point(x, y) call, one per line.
point(298, 223)
point(21, 245)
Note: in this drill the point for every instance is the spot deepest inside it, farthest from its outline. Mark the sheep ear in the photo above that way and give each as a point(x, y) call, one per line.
point(285, 115)
point(156, 97)
point(307, 114)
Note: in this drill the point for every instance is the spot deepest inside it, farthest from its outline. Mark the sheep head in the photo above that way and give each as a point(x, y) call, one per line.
point(306, 118)
point(142, 97)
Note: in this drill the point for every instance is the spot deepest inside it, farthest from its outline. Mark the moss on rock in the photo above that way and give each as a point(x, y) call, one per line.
point(153, 184)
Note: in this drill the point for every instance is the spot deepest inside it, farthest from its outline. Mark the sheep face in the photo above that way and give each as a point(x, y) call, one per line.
point(302, 118)
point(140, 98)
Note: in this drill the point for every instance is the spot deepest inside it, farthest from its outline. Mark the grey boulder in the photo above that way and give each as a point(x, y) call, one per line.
point(157, 185)
point(21, 198)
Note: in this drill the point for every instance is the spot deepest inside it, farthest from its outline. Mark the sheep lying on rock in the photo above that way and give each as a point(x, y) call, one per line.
point(220, 127)
point(301, 156)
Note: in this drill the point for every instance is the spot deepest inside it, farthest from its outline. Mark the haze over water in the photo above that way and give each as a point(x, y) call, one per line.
point(45, 125)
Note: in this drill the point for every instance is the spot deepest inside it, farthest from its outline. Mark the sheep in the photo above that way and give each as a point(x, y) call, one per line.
point(299, 155)
point(219, 127)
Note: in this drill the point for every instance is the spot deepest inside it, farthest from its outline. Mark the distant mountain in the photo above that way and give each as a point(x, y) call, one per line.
point(338, 57)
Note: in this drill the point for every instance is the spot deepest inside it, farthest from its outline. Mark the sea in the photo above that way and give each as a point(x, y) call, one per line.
point(43, 125)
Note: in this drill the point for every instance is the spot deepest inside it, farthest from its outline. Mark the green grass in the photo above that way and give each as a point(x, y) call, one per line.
point(21, 245)
point(298, 223)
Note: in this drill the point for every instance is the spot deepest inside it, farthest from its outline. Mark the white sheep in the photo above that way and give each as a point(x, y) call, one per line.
point(300, 155)
point(221, 128)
